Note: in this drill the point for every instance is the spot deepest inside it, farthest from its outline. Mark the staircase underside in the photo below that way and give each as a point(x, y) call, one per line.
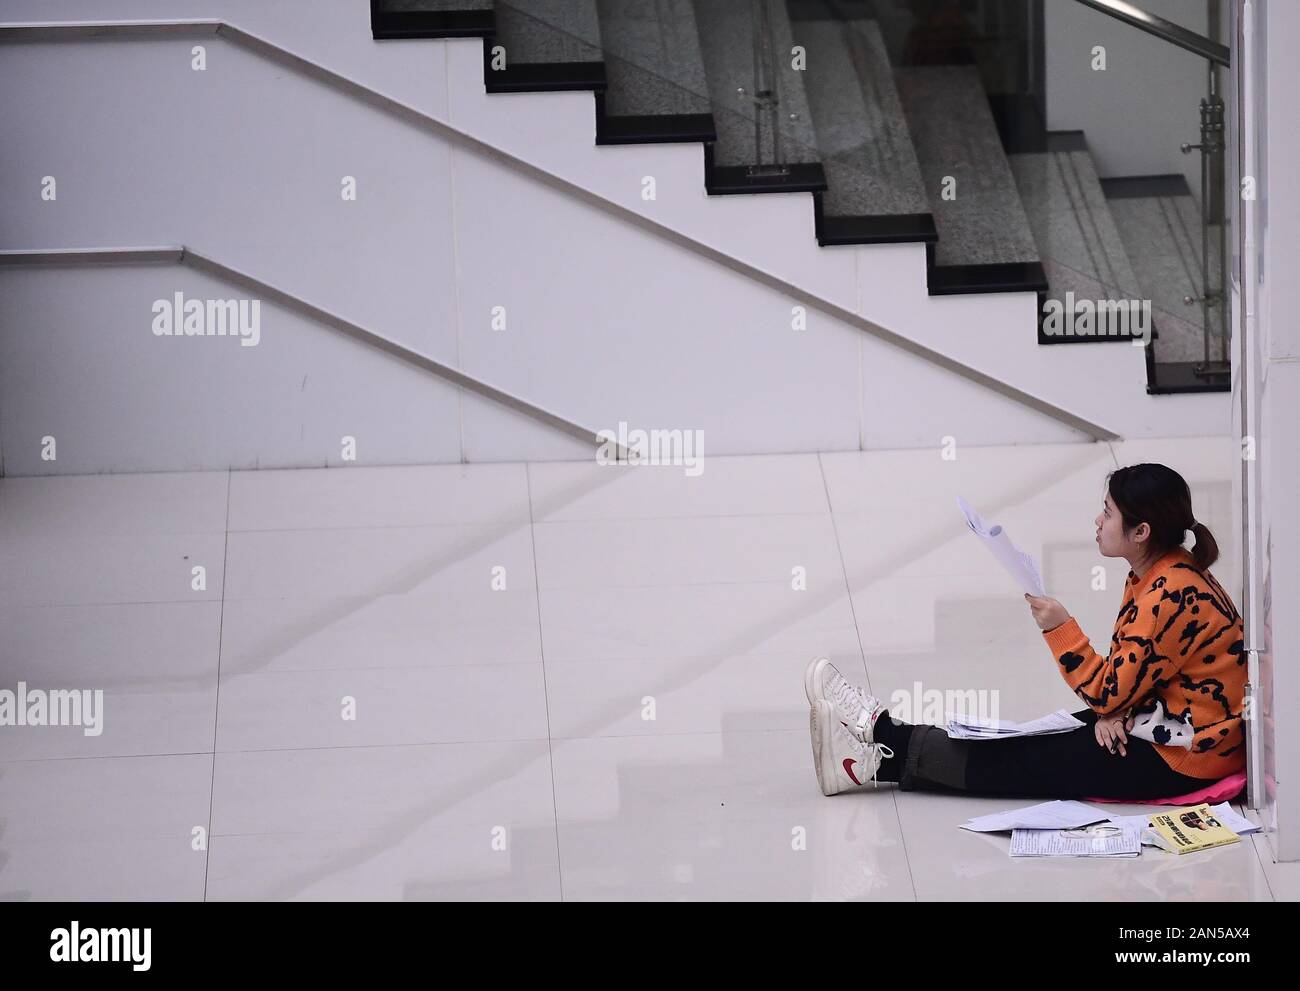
point(912, 152)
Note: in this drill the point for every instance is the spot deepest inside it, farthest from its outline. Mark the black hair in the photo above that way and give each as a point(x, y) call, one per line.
point(1159, 497)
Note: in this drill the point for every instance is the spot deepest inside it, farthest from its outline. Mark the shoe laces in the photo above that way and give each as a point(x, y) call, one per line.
point(847, 695)
point(885, 752)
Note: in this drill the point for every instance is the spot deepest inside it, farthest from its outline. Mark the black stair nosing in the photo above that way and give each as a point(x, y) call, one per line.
point(895, 228)
point(387, 25)
point(1076, 339)
point(729, 180)
point(1144, 186)
point(541, 77)
point(953, 280)
point(1066, 141)
point(651, 128)
point(1170, 378)
point(1053, 339)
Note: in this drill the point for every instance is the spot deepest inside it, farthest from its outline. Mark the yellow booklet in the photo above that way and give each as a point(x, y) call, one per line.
point(1190, 829)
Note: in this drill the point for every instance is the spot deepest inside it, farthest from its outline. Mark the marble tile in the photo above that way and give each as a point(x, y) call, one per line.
point(740, 486)
point(397, 496)
point(466, 821)
point(104, 829)
point(154, 662)
point(690, 817)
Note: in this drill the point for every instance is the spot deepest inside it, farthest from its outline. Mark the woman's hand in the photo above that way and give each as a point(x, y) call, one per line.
point(1111, 732)
point(1048, 613)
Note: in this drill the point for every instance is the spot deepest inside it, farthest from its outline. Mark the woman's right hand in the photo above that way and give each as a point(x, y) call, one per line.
point(1111, 732)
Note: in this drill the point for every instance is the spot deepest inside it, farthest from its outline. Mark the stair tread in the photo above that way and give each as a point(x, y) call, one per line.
point(866, 149)
point(1162, 234)
point(535, 32)
point(438, 5)
point(1077, 239)
point(954, 134)
point(726, 41)
point(653, 61)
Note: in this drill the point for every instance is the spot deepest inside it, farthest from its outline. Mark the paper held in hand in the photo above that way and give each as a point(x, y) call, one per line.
point(1019, 565)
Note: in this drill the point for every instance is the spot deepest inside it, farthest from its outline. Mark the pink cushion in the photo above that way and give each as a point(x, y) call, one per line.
point(1214, 792)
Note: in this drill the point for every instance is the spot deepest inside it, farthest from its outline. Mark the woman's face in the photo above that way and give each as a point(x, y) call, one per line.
point(1111, 539)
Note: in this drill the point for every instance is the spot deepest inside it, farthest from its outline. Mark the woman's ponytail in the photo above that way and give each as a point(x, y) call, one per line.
point(1206, 549)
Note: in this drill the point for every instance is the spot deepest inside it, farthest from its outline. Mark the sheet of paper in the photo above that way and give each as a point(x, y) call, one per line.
point(1122, 842)
point(969, 728)
point(1019, 565)
point(1048, 815)
point(1224, 812)
point(1234, 820)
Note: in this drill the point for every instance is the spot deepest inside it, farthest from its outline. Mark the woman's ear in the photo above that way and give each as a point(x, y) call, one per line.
point(1141, 533)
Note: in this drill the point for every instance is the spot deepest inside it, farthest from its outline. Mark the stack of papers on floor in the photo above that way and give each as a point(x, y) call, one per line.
point(1048, 815)
point(1091, 841)
point(1061, 829)
point(1073, 829)
point(972, 728)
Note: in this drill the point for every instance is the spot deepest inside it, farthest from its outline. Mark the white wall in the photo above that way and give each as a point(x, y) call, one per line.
point(243, 162)
point(1145, 104)
point(1277, 558)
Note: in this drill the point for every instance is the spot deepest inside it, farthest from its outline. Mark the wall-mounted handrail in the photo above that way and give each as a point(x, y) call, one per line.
point(74, 30)
point(264, 290)
point(1173, 33)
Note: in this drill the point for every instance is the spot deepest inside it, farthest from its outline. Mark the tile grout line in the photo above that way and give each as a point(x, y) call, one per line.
point(546, 694)
point(465, 742)
point(1258, 839)
point(216, 708)
point(458, 306)
point(848, 590)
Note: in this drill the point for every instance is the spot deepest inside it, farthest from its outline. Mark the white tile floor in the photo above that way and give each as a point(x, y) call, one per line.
point(569, 681)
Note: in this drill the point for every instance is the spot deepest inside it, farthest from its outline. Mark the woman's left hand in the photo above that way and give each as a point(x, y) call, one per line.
point(1048, 613)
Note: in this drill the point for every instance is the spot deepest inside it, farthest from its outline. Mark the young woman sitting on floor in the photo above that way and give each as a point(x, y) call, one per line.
point(1165, 702)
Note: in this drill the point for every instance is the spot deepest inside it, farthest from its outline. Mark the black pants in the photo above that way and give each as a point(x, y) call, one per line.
point(1058, 765)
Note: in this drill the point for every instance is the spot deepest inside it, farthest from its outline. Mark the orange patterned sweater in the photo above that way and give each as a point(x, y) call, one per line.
point(1176, 660)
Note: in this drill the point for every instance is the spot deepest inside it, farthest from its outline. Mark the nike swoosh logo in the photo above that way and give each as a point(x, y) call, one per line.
point(848, 769)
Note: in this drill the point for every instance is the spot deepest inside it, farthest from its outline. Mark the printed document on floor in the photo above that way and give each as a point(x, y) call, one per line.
point(972, 728)
point(1091, 841)
point(1048, 815)
point(1020, 566)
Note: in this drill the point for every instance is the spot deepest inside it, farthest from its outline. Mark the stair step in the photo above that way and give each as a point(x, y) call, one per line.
point(1079, 245)
point(549, 45)
point(1159, 222)
point(985, 241)
point(732, 162)
point(430, 18)
point(657, 89)
point(874, 189)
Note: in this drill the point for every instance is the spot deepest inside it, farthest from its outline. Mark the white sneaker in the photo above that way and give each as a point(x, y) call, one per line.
point(843, 762)
point(854, 708)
